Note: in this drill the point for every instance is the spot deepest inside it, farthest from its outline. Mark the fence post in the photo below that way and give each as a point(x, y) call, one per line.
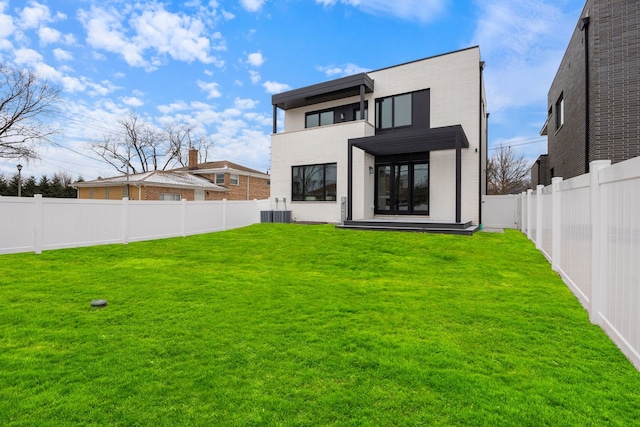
point(522, 211)
point(539, 211)
point(125, 220)
point(224, 214)
point(556, 224)
point(598, 240)
point(257, 206)
point(529, 192)
point(183, 212)
point(37, 226)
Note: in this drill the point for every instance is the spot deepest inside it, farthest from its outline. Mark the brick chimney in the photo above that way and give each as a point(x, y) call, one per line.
point(193, 158)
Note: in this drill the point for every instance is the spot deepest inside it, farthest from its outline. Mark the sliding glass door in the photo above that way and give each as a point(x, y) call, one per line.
point(402, 188)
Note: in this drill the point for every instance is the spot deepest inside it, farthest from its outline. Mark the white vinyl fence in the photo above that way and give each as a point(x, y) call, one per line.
point(34, 224)
point(500, 211)
point(588, 227)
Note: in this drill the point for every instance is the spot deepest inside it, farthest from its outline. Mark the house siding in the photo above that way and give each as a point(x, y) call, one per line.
point(616, 80)
point(248, 188)
point(456, 96)
point(566, 144)
point(613, 34)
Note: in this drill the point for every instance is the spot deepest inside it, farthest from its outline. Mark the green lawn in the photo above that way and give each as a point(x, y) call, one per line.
point(282, 324)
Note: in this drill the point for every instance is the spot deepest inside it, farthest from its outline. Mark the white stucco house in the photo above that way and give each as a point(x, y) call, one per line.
point(416, 156)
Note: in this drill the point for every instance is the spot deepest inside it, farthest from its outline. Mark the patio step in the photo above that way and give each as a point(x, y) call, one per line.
point(463, 228)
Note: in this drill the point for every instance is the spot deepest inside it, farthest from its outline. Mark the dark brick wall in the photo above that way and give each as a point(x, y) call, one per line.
point(540, 172)
point(616, 80)
point(566, 145)
point(614, 90)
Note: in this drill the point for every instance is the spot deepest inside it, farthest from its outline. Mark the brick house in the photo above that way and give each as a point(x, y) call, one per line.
point(241, 183)
point(205, 181)
point(593, 108)
point(155, 185)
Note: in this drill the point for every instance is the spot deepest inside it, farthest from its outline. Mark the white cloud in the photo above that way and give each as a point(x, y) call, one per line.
point(254, 76)
point(345, 70)
point(152, 31)
point(227, 15)
point(275, 87)
point(212, 89)
point(412, 10)
point(105, 31)
point(35, 15)
point(6, 23)
point(252, 5)
point(245, 104)
point(27, 56)
point(521, 44)
point(179, 36)
point(255, 59)
point(173, 107)
point(48, 35)
point(132, 101)
point(62, 55)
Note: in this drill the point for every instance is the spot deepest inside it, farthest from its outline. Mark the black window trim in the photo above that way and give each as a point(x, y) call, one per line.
point(318, 113)
point(393, 112)
point(324, 184)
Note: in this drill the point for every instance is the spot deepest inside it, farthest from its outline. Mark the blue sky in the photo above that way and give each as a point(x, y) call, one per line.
point(215, 64)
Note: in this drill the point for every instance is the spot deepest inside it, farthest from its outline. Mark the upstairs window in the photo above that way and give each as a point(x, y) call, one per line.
point(220, 179)
point(560, 111)
point(234, 179)
point(356, 114)
point(393, 111)
point(319, 118)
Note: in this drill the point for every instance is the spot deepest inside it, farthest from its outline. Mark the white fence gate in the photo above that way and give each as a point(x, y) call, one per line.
point(500, 211)
point(34, 224)
point(588, 227)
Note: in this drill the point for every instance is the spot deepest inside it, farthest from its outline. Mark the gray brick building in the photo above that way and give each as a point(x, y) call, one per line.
point(594, 100)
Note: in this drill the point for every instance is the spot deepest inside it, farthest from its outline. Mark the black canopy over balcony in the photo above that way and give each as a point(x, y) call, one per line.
point(344, 87)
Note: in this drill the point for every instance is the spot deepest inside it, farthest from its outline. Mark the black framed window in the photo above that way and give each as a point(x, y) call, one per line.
point(356, 114)
point(319, 118)
point(311, 183)
point(394, 111)
point(560, 111)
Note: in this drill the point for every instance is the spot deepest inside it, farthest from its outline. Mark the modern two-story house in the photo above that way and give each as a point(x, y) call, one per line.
point(407, 143)
point(593, 101)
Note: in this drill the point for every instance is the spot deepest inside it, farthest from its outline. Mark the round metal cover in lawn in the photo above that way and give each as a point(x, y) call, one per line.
point(99, 303)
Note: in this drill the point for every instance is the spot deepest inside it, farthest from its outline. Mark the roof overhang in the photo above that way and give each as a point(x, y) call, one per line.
point(344, 87)
point(545, 127)
point(227, 170)
point(415, 141)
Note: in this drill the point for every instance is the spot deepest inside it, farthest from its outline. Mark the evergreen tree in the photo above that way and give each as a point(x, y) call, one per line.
point(13, 186)
point(44, 186)
point(4, 186)
point(29, 187)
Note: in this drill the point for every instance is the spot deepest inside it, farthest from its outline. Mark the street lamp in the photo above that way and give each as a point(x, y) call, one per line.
point(19, 180)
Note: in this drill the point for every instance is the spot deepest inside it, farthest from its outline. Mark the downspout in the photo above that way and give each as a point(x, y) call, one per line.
point(275, 119)
point(584, 26)
point(248, 191)
point(480, 135)
point(458, 179)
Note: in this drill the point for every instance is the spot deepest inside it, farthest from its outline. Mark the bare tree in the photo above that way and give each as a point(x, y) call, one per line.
point(137, 147)
point(24, 100)
point(141, 147)
point(507, 172)
point(182, 139)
